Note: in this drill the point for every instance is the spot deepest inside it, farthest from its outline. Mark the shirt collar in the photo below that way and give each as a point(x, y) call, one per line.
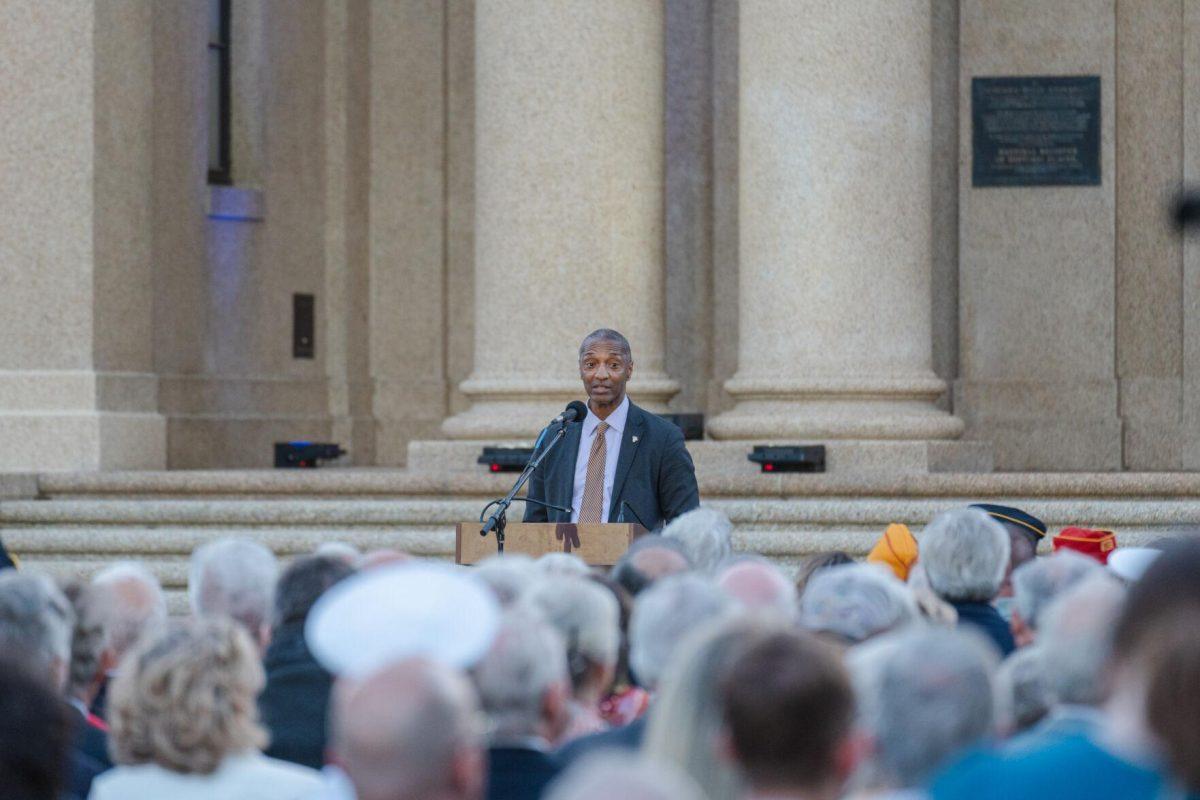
point(616, 420)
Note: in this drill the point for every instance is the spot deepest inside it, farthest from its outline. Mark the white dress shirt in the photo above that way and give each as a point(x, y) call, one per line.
point(242, 776)
point(612, 444)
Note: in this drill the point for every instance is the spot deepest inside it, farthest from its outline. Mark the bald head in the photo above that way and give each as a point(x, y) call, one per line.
point(410, 731)
point(759, 586)
point(649, 558)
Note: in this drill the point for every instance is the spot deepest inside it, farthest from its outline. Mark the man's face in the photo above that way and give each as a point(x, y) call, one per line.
point(605, 371)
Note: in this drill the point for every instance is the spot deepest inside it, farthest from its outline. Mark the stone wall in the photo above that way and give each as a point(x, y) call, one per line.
point(147, 316)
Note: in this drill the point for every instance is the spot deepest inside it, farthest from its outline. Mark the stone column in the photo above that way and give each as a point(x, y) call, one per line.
point(569, 204)
point(77, 389)
point(834, 337)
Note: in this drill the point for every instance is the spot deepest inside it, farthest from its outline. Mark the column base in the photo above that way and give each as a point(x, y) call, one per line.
point(512, 409)
point(836, 408)
point(81, 440)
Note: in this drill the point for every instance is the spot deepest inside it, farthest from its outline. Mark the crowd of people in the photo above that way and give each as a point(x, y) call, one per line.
point(957, 663)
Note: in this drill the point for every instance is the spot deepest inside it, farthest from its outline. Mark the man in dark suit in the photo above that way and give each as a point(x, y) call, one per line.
point(620, 463)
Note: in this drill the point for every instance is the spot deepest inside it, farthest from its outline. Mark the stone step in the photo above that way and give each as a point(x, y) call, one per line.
point(478, 483)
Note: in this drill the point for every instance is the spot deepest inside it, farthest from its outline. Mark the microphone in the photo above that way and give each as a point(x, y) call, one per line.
point(574, 410)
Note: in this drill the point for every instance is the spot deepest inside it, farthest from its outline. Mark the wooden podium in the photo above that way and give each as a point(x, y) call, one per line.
point(599, 544)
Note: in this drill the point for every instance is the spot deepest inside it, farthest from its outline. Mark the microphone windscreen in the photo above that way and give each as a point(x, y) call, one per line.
point(575, 410)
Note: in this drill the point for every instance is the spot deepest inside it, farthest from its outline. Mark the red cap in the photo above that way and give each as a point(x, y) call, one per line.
point(1097, 544)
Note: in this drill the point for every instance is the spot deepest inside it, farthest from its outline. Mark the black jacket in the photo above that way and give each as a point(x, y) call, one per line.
point(293, 705)
point(519, 773)
point(987, 620)
point(655, 475)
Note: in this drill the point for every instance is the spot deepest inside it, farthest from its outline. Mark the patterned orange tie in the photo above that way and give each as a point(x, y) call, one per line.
point(592, 507)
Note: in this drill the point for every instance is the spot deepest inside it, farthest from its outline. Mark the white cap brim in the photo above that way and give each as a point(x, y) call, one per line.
point(392, 613)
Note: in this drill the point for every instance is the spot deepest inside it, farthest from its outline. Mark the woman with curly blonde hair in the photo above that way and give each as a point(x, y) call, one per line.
point(184, 721)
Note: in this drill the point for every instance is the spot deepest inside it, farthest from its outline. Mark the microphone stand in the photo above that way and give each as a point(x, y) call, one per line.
point(499, 518)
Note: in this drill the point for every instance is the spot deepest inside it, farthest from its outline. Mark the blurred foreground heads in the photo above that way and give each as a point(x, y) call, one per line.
point(412, 731)
point(184, 725)
point(790, 713)
point(706, 537)
point(608, 776)
point(235, 578)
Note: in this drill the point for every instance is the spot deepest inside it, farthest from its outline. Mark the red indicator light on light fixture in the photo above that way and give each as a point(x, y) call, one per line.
point(495, 467)
point(768, 467)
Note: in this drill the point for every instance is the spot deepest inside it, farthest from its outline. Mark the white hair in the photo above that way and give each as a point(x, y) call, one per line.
point(663, 615)
point(1022, 697)
point(36, 621)
point(587, 617)
point(965, 554)
point(706, 536)
point(856, 602)
point(1036, 583)
point(235, 577)
point(607, 775)
point(343, 551)
point(756, 584)
point(1077, 638)
point(508, 575)
point(526, 660)
point(562, 564)
point(924, 695)
point(123, 611)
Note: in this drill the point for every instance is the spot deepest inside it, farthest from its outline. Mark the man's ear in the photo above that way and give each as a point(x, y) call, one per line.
point(852, 751)
point(555, 711)
point(724, 749)
point(1023, 635)
point(468, 772)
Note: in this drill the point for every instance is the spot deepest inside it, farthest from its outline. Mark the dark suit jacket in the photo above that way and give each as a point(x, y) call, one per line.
point(293, 704)
point(654, 474)
point(519, 773)
point(987, 620)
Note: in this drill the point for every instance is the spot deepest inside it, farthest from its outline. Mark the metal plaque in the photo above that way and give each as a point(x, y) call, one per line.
point(1035, 131)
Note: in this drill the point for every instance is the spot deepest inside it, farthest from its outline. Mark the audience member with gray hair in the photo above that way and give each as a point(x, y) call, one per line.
point(609, 775)
point(587, 617)
point(1037, 583)
point(924, 696)
point(1076, 641)
point(412, 731)
point(524, 689)
point(706, 536)
point(649, 558)
point(756, 584)
point(663, 616)
point(1022, 697)
point(964, 554)
point(508, 575)
point(851, 603)
point(236, 578)
point(35, 626)
point(567, 564)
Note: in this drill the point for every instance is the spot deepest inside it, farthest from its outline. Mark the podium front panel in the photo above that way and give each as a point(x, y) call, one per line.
point(600, 545)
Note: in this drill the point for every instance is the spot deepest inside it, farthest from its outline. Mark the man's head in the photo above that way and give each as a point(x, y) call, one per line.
point(522, 680)
point(605, 366)
point(925, 694)
point(851, 603)
point(758, 585)
point(965, 555)
point(1036, 584)
point(303, 583)
point(129, 601)
point(663, 616)
point(706, 536)
point(1075, 637)
point(587, 617)
point(234, 577)
point(411, 731)
point(35, 626)
point(790, 712)
point(649, 558)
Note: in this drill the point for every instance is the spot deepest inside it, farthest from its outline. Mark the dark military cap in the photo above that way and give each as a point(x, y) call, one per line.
point(1014, 516)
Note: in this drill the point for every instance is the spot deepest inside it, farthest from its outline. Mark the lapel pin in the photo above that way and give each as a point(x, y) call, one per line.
point(634, 439)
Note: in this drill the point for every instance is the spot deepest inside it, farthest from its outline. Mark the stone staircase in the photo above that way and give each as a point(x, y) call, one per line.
point(70, 524)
